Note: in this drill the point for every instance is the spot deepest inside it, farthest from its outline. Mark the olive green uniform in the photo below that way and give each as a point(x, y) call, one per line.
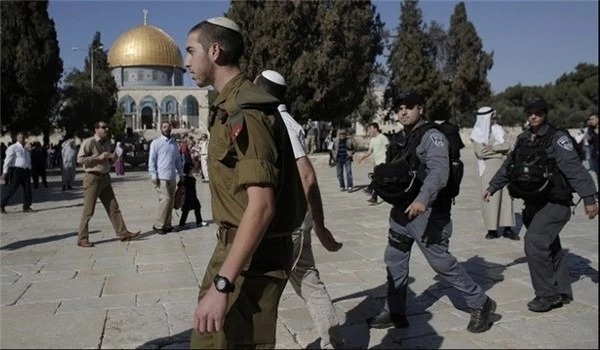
point(250, 146)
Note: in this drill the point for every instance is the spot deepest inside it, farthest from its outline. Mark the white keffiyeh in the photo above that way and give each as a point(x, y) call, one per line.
point(485, 133)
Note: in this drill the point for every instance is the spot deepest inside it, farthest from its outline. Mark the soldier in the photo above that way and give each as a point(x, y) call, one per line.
point(305, 276)
point(535, 171)
point(257, 197)
point(422, 215)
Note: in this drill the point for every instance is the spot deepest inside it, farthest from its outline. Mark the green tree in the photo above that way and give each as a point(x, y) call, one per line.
point(84, 105)
point(325, 50)
point(31, 67)
point(468, 65)
point(411, 61)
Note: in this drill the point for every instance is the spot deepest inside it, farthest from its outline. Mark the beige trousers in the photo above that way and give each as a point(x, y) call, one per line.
point(166, 199)
point(98, 186)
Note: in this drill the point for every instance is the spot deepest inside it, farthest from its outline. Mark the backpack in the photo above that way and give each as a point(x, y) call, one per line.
point(179, 195)
point(399, 179)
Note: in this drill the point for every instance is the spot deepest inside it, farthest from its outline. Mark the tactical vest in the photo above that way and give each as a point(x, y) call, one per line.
point(399, 180)
point(533, 175)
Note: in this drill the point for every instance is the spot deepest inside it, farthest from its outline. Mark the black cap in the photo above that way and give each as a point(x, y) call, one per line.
point(536, 104)
point(409, 99)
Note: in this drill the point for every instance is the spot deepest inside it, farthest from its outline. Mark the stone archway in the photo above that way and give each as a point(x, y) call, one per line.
point(147, 118)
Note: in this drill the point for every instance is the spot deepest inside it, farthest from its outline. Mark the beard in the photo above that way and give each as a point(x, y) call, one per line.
point(166, 134)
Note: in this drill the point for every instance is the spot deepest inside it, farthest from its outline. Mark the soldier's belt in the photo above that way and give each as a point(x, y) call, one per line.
point(227, 234)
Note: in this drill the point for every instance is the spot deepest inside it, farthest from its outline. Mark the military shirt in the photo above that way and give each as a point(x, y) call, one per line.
point(91, 147)
point(432, 151)
point(567, 160)
point(251, 147)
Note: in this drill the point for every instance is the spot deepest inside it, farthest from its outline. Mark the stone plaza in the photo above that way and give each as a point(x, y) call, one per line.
point(142, 294)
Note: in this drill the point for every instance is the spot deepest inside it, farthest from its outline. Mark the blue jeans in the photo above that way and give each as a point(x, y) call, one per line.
point(347, 166)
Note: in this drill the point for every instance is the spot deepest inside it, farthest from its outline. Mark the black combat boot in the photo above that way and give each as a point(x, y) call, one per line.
point(545, 304)
point(386, 319)
point(481, 319)
point(491, 234)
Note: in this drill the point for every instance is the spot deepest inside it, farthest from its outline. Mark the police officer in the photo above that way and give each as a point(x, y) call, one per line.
point(425, 220)
point(542, 159)
point(257, 197)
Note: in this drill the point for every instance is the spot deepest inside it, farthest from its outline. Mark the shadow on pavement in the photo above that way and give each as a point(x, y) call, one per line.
point(33, 241)
point(177, 341)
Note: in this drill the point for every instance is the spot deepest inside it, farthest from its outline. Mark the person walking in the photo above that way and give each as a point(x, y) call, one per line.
point(543, 169)
point(377, 148)
point(17, 166)
point(120, 162)
point(491, 143)
point(203, 145)
point(592, 141)
point(191, 201)
point(39, 158)
point(343, 150)
point(69, 164)
point(304, 277)
point(422, 216)
point(257, 198)
point(311, 136)
point(164, 164)
point(95, 155)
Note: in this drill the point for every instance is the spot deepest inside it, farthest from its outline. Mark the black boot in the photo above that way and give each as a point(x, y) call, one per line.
point(492, 234)
point(508, 233)
point(481, 319)
point(545, 304)
point(385, 319)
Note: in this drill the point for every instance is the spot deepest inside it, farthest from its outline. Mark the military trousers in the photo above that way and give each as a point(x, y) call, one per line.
point(545, 256)
point(251, 314)
point(166, 199)
point(98, 186)
point(437, 255)
point(308, 285)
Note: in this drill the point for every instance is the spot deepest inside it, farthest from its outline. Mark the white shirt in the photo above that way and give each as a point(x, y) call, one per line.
point(295, 131)
point(164, 161)
point(17, 156)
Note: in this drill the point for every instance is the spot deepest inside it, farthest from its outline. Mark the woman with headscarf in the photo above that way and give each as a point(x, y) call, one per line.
point(491, 144)
point(69, 164)
point(120, 162)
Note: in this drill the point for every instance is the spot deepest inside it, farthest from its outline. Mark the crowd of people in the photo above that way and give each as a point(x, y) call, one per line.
point(266, 199)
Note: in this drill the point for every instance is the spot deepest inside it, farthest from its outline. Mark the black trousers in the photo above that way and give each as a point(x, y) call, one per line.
point(184, 215)
point(36, 172)
point(18, 177)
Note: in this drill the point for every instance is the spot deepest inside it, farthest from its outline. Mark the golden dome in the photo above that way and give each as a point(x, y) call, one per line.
point(145, 45)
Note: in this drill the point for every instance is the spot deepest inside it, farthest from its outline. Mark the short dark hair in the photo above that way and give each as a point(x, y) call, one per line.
point(97, 124)
point(375, 125)
point(271, 88)
point(230, 41)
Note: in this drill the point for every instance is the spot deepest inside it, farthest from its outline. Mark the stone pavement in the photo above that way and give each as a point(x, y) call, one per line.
point(141, 294)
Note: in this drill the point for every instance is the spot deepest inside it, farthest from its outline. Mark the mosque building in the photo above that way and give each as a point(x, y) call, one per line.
point(147, 66)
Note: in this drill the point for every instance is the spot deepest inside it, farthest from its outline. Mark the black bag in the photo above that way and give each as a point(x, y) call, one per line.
point(396, 182)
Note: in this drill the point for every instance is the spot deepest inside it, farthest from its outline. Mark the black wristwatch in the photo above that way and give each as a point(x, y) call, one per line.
point(223, 285)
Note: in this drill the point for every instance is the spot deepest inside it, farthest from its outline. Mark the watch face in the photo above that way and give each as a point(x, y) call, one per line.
point(221, 284)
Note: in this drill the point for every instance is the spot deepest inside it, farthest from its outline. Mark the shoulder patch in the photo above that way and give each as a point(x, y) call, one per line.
point(437, 139)
point(565, 142)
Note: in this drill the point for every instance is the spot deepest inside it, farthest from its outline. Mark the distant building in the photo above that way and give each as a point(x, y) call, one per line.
point(148, 68)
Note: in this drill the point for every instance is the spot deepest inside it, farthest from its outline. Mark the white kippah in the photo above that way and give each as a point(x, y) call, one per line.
point(224, 22)
point(274, 77)
point(485, 110)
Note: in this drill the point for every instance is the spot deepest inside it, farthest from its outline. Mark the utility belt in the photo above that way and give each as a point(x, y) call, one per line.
point(226, 235)
point(275, 251)
point(96, 173)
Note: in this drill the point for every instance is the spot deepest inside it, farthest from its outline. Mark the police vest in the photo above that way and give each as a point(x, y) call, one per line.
point(533, 175)
point(399, 180)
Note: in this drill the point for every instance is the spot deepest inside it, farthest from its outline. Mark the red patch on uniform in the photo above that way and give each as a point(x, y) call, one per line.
point(236, 129)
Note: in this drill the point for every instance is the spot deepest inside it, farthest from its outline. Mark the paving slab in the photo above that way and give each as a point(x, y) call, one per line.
point(142, 294)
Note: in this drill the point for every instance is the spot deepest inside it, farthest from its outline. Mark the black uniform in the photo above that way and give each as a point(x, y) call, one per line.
point(547, 211)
